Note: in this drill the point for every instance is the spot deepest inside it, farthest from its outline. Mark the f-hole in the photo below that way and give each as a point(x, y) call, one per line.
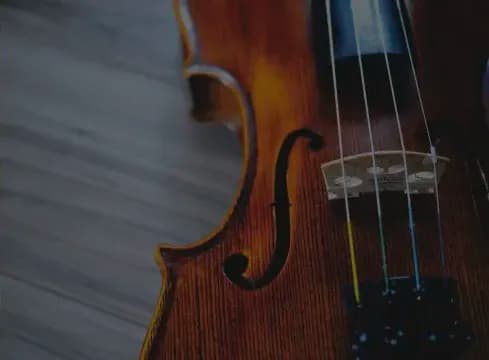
point(236, 265)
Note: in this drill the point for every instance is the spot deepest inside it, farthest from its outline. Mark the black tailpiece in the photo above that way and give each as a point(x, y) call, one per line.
point(405, 323)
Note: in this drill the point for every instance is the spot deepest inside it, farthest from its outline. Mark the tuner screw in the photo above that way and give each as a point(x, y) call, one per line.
point(432, 337)
point(400, 333)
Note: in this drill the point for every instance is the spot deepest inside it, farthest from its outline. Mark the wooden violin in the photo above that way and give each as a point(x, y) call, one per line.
point(359, 228)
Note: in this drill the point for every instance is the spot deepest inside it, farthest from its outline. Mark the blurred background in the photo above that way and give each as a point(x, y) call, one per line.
point(99, 162)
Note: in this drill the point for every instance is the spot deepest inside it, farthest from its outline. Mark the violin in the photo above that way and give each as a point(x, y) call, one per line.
point(359, 226)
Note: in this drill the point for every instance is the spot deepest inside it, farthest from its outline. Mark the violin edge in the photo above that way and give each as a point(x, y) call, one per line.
point(192, 66)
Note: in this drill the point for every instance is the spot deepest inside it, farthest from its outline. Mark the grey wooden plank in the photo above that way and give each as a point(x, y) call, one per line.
point(132, 36)
point(109, 174)
point(54, 322)
point(97, 280)
point(20, 347)
point(104, 203)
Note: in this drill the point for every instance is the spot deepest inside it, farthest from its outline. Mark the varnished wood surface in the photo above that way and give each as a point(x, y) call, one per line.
point(99, 162)
point(301, 313)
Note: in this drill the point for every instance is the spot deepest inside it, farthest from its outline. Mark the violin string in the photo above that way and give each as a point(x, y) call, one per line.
point(432, 147)
point(374, 161)
point(403, 148)
point(351, 241)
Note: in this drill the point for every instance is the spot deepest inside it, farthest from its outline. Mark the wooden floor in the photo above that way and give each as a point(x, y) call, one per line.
point(99, 162)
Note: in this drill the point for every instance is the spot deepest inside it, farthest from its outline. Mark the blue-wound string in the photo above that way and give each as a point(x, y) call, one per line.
point(432, 147)
point(412, 231)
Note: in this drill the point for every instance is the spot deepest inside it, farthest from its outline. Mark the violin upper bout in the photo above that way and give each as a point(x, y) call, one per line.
point(228, 74)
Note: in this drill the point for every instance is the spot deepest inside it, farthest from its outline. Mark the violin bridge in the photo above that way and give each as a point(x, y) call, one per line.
point(390, 172)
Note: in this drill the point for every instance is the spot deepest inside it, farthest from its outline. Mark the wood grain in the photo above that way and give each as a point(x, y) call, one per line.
point(301, 313)
point(99, 162)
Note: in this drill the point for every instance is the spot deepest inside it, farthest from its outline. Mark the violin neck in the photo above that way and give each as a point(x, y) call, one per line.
point(361, 14)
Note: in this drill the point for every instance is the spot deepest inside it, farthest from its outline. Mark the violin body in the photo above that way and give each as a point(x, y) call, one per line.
point(273, 281)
